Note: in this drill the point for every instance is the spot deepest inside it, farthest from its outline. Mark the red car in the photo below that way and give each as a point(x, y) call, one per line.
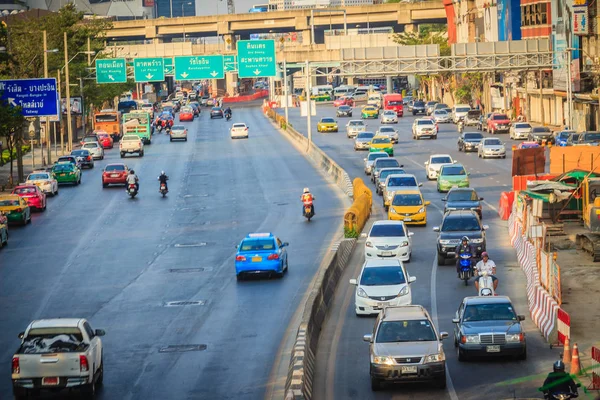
point(114, 174)
point(498, 123)
point(344, 101)
point(105, 140)
point(34, 196)
point(528, 145)
point(186, 114)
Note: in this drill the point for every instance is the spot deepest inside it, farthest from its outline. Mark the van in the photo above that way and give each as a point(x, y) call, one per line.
point(344, 90)
point(361, 92)
point(393, 101)
point(459, 111)
point(375, 99)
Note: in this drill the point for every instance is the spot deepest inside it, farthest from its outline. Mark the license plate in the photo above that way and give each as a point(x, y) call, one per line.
point(386, 253)
point(493, 349)
point(50, 381)
point(381, 305)
point(412, 369)
point(256, 259)
point(114, 175)
point(62, 174)
point(407, 219)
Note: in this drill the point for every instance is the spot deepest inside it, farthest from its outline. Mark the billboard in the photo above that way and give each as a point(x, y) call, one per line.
point(76, 105)
point(563, 38)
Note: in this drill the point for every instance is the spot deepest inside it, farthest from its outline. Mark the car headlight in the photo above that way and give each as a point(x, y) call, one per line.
point(369, 244)
point(472, 339)
point(404, 291)
point(361, 293)
point(451, 208)
point(422, 210)
point(404, 244)
point(515, 338)
point(392, 210)
point(477, 240)
point(445, 242)
point(444, 182)
point(435, 358)
point(384, 360)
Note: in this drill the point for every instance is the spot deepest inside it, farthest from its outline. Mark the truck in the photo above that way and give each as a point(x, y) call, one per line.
point(131, 143)
point(393, 102)
point(138, 123)
point(57, 355)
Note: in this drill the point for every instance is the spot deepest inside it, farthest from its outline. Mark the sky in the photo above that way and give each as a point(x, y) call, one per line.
point(209, 7)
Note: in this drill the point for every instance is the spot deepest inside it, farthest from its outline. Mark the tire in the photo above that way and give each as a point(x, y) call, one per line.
point(89, 391)
point(104, 185)
point(185, 140)
point(170, 139)
point(92, 166)
point(29, 219)
point(56, 193)
point(122, 155)
point(375, 384)
point(460, 355)
point(100, 380)
point(44, 208)
point(441, 260)
point(409, 258)
point(441, 383)
point(522, 356)
point(141, 153)
point(239, 277)
point(102, 158)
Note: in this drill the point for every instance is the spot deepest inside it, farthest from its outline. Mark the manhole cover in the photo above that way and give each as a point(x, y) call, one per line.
point(191, 244)
point(282, 204)
point(186, 270)
point(181, 348)
point(184, 303)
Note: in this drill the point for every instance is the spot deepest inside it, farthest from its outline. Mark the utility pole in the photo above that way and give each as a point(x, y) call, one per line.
point(62, 135)
point(47, 119)
point(308, 111)
point(68, 99)
point(285, 92)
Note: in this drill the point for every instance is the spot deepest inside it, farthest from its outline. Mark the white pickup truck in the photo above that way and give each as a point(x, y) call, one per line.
point(58, 355)
point(131, 144)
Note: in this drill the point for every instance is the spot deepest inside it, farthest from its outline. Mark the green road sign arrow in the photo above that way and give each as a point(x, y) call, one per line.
point(111, 70)
point(199, 67)
point(256, 58)
point(230, 63)
point(150, 69)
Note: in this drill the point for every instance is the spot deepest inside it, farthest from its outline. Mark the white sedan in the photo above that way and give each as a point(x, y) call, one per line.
point(239, 130)
point(44, 180)
point(388, 239)
point(435, 163)
point(389, 117)
point(95, 149)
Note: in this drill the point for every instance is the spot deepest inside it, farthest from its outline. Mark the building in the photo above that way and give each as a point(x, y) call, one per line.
point(296, 4)
point(175, 8)
point(120, 9)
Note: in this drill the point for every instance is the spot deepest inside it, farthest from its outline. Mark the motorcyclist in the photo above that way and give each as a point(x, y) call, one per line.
point(463, 247)
point(163, 178)
point(132, 178)
point(461, 126)
point(307, 200)
point(486, 265)
point(228, 111)
point(559, 381)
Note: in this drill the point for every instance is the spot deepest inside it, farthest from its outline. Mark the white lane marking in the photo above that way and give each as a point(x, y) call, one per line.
point(434, 315)
point(490, 206)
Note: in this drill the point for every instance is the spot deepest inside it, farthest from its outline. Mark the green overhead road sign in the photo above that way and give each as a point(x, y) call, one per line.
point(256, 58)
point(169, 66)
point(149, 69)
point(111, 70)
point(199, 67)
point(230, 63)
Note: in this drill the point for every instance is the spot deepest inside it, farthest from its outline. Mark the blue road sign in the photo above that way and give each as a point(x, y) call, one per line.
point(36, 97)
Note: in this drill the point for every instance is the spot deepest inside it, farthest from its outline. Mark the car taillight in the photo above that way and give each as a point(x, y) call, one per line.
point(273, 257)
point(240, 258)
point(83, 363)
point(89, 158)
point(16, 369)
point(19, 210)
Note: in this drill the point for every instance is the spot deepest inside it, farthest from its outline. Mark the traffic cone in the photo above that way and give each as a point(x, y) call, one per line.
point(575, 367)
point(567, 351)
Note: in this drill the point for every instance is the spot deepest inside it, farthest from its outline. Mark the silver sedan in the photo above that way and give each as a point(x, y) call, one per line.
point(362, 140)
point(441, 117)
point(491, 147)
point(388, 131)
point(519, 130)
point(95, 149)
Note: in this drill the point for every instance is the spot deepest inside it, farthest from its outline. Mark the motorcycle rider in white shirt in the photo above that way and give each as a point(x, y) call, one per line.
point(133, 179)
point(486, 265)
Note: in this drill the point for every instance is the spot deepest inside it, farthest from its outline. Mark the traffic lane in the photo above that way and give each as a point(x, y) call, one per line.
point(232, 187)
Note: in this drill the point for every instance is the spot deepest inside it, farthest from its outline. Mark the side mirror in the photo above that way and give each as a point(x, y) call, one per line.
point(443, 335)
point(410, 234)
point(285, 244)
point(21, 335)
point(364, 159)
point(486, 227)
point(455, 320)
point(420, 184)
point(368, 338)
point(454, 162)
point(412, 279)
point(427, 203)
point(99, 332)
point(481, 199)
point(363, 235)
point(436, 228)
point(521, 317)
point(444, 199)
point(353, 282)
point(426, 162)
point(237, 246)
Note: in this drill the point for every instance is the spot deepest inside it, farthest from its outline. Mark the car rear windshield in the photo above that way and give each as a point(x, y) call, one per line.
point(386, 129)
point(407, 200)
point(441, 105)
point(463, 223)
point(34, 177)
point(390, 113)
point(387, 230)
point(462, 195)
point(473, 136)
point(451, 170)
point(576, 137)
point(463, 109)
point(381, 140)
point(92, 145)
point(384, 174)
point(419, 104)
point(441, 160)
point(327, 120)
point(80, 153)
point(26, 190)
point(131, 137)
point(9, 203)
point(187, 110)
point(522, 126)
point(63, 168)
point(356, 123)
point(61, 340)
point(395, 103)
point(382, 276)
point(490, 312)
point(178, 128)
point(493, 142)
point(425, 122)
point(440, 112)
point(257, 244)
point(115, 168)
point(402, 181)
point(499, 117)
point(344, 108)
point(383, 163)
point(366, 135)
point(563, 135)
point(405, 331)
point(591, 136)
point(541, 129)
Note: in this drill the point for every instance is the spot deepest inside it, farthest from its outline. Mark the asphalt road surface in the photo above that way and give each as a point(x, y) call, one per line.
point(343, 358)
point(97, 254)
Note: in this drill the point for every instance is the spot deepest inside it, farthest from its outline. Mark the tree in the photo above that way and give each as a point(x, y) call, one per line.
point(11, 129)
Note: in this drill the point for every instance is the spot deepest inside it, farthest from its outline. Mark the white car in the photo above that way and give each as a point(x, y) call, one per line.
point(95, 149)
point(435, 163)
point(389, 117)
point(178, 132)
point(424, 127)
point(239, 130)
point(388, 131)
point(44, 180)
point(441, 117)
point(491, 147)
point(388, 239)
point(382, 283)
point(370, 160)
point(519, 130)
point(459, 112)
point(354, 127)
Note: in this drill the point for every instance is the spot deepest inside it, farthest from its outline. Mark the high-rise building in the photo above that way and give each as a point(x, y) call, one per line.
point(175, 8)
point(122, 9)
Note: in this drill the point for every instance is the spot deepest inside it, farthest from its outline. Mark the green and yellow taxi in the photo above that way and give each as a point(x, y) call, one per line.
point(369, 112)
point(381, 143)
point(66, 172)
point(451, 176)
point(327, 125)
point(408, 206)
point(15, 208)
point(321, 97)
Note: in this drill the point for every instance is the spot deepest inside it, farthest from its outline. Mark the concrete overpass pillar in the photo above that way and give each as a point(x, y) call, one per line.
point(306, 37)
point(410, 28)
point(231, 82)
point(350, 80)
point(388, 84)
point(229, 41)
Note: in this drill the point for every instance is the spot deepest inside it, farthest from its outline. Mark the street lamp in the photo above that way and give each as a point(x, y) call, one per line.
point(189, 3)
point(568, 50)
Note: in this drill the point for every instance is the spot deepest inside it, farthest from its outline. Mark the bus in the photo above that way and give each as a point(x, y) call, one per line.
point(108, 120)
point(393, 101)
point(257, 8)
point(138, 123)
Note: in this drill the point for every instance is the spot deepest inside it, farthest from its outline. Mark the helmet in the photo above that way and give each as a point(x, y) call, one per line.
point(306, 190)
point(559, 366)
point(132, 172)
point(162, 172)
point(484, 254)
point(464, 238)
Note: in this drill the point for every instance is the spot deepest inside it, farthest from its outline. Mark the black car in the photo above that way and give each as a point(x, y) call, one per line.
point(344, 111)
point(406, 100)
point(455, 225)
point(216, 112)
point(541, 133)
point(463, 199)
point(418, 107)
point(468, 141)
point(84, 157)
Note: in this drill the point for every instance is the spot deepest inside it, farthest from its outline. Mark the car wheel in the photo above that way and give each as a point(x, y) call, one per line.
point(104, 185)
point(170, 139)
point(522, 356)
point(409, 258)
point(89, 391)
point(100, 379)
point(102, 158)
point(239, 277)
point(460, 355)
point(141, 154)
point(375, 384)
point(29, 219)
point(44, 208)
point(441, 260)
point(441, 383)
point(122, 155)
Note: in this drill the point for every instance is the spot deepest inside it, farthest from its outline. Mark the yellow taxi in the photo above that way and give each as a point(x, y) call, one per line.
point(15, 208)
point(409, 206)
point(381, 143)
point(327, 125)
point(369, 112)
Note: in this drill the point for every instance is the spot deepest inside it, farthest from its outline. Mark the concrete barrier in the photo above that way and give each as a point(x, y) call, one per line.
point(299, 384)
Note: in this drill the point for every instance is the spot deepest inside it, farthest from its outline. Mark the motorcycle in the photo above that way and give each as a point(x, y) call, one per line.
point(132, 190)
point(461, 126)
point(466, 269)
point(560, 396)
point(308, 212)
point(163, 189)
point(159, 127)
point(486, 285)
point(227, 117)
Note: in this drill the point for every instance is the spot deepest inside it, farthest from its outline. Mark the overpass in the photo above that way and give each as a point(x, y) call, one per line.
point(399, 16)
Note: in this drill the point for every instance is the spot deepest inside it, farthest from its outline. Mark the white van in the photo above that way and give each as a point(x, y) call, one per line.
point(361, 92)
point(460, 111)
point(322, 89)
point(343, 90)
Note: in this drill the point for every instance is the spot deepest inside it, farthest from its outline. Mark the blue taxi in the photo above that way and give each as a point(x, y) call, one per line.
point(260, 253)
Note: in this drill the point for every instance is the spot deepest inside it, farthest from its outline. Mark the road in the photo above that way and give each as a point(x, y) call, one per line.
point(343, 359)
point(96, 253)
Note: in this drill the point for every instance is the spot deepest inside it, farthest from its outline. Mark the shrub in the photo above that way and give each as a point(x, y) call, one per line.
point(350, 233)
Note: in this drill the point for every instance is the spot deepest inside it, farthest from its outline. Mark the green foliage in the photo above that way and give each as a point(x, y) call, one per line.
point(429, 34)
point(350, 233)
point(6, 154)
point(464, 94)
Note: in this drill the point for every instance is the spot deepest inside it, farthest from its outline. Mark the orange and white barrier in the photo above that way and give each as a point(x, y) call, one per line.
point(595, 385)
point(564, 326)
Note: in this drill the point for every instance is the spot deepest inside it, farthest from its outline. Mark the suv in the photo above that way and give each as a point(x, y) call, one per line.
point(406, 347)
point(498, 123)
point(469, 141)
point(455, 225)
point(459, 112)
point(418, 107)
